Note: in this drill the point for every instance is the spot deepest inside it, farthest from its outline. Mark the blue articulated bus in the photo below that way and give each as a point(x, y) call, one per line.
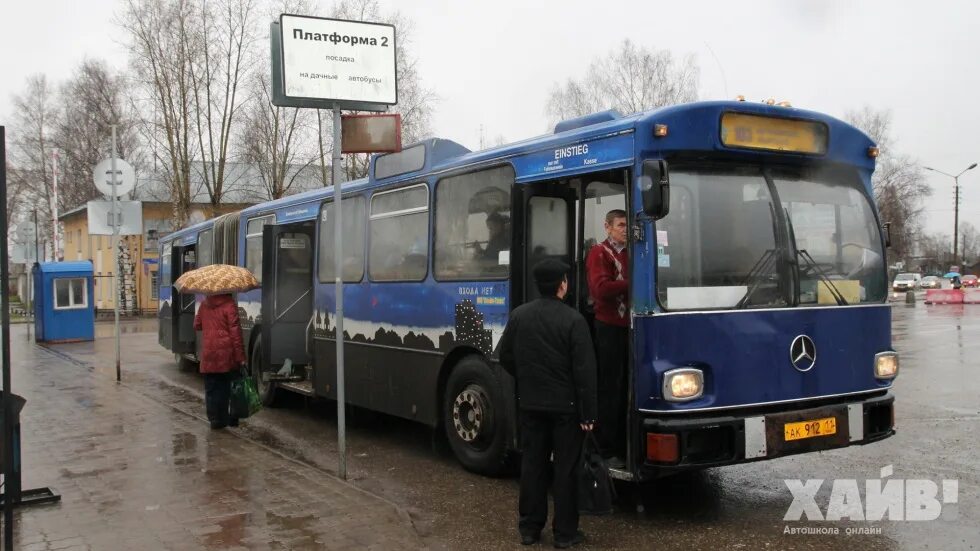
point(759, 323)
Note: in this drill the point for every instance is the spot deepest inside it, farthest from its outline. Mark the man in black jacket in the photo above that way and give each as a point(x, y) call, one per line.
point(547, 347)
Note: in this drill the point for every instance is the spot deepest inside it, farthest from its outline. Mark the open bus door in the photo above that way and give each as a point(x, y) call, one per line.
point(183, 259)
point(547, 214)
point(287, 308)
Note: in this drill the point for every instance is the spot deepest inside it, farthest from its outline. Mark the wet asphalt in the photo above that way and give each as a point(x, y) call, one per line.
point(739, 507)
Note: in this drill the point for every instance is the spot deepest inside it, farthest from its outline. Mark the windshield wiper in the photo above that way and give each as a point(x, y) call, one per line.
point(802, 253)
point(841, 301)
point(763, 265)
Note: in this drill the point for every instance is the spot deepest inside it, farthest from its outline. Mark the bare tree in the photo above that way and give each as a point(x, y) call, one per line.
point(163, 46)
point(415, 101)
point(630, 79)
point(32, 149)
point(276, 141)
point(969, 243)
point(16, 200)
point(226, 34)
point(898, 182)
point(92, 100)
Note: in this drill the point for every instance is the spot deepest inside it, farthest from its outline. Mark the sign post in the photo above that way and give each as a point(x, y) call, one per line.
point(322, 63)
point(115, 177)
point(8, 433)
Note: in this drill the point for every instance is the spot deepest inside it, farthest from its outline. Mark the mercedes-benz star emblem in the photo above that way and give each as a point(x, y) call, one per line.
point(803, 353)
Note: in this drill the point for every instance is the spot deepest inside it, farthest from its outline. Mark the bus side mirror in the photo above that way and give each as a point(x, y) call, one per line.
point(655, 188)
point(888, 234)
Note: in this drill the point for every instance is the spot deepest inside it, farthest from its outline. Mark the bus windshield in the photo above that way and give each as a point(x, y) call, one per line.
point(744, 237)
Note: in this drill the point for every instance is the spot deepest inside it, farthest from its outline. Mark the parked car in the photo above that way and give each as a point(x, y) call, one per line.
point(970, 280)
point(931, 282)
point(905, 282)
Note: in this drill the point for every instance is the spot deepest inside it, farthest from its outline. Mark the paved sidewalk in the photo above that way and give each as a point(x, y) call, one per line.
point(136, 474)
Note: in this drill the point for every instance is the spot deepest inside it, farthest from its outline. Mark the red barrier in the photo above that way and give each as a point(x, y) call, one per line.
point(944, 296)
point(971, 296)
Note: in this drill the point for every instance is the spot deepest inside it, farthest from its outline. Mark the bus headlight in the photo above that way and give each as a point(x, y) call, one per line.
point(886, 365)
point(681, 385)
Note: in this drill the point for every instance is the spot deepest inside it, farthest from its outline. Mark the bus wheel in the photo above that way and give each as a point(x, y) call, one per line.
point(183, 364)
point(267, 389)
point(474, 418)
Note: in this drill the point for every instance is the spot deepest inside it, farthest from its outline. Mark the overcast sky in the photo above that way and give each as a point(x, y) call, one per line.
point(493, 63)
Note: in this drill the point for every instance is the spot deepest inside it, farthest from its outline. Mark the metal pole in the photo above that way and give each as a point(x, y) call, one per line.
point(8, 433)
point(338, 263)
point(37, 242)
point(30, 300)
point(115, 248)
point(956, 219)
point(37, 259)
point(54, 207)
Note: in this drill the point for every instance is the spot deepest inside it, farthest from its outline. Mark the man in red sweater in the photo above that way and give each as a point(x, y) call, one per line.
point(607, 269)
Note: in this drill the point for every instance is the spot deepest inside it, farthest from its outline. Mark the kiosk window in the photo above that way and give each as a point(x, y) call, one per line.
point(70, 293)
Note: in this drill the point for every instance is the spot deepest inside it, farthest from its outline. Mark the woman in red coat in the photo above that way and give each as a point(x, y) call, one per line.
point(222, 354)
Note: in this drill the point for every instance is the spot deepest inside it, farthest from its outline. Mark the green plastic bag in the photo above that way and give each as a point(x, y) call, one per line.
point(245, 400)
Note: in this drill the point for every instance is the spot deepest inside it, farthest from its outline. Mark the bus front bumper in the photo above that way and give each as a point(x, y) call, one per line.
point(671, 444)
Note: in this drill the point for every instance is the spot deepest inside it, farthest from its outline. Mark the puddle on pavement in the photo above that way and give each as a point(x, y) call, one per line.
point(230, 534)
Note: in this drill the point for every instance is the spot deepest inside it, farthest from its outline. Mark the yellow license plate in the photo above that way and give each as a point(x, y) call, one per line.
point(810, 429)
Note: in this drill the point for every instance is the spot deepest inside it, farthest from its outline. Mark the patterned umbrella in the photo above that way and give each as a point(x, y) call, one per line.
point(216, 279)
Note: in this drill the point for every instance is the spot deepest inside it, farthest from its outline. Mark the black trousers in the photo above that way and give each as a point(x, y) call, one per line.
point(546, 435)
point(612, 348)
point(217, 396)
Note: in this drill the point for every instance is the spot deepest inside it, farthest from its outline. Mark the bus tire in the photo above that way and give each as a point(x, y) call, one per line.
point(184, 365)
point(474, 417)
point(268, 391)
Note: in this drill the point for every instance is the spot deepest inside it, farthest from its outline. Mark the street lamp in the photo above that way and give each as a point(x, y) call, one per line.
point(956, 207)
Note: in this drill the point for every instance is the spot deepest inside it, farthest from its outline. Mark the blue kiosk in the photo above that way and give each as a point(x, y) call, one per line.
point(63, 296)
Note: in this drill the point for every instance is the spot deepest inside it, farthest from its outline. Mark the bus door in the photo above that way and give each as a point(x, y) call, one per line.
point(165, 316)
point(183, 260)
point(547, 214)
point(287, 299)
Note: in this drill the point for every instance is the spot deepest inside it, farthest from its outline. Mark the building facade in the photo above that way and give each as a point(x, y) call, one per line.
point(140, 253)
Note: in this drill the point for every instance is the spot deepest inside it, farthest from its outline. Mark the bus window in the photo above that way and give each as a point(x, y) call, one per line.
point(473, 228)
point(253, 244)
point(205, 248)
point(165, 254)
point(718, 241)
point(547, 235)
point(353, 221)
point(399, 234)
point(600, 198)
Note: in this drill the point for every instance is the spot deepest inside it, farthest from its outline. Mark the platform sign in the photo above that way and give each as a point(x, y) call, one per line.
point(331, 60)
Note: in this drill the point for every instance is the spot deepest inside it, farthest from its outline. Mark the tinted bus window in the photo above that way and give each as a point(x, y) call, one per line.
point(165, 265)
point(353, 222)
point(473, 229)
point(399, 234)
point(403, 162)
point(205, 248)
point(253, 244)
